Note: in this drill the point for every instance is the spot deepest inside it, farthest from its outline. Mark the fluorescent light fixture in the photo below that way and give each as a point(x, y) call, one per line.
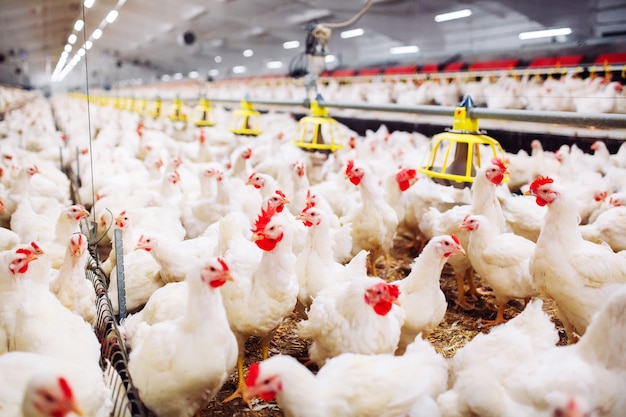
point(97, 34)
point(213, 72)
point(248, 53)
point(218, 59)
point(71, 39)
point(193, 74)
point(352, 33)
point(81, 52)
point(239, 69)
point(112, 16)
point(65, 54)
point(409, 49)
point(88, 45)
point(274, 64)
point(178, 76)
point(459, 14)
point(308, 15)
point(68, 48)
point(79, 25)
point(89, 3)
point(165, 77)
point(330, 58)
point(545, 33)
point(291, 44)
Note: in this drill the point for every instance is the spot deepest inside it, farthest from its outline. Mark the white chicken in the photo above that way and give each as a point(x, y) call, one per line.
point(178, 366)
point(420, 294)
point(316, 267)
point(357, 316)
point(34, 385)
point(577, 274)
point(351, 385)
point(609, 227)
point(501, 260)
point(265, 291)
point(532, 377)
point(374, 222)
point(71, 286)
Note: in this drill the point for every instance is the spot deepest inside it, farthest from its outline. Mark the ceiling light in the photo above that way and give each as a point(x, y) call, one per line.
point(218, 59)
point(330, 58)
point(291, 44)
point(68, 48)
point(89, 3)
point(88, 45)
point(409, 49)
point(274, 64)
point(213, 72)
point(81, 52)
point(545, 33)
point(444, 17)
point(96, 34)
point(308, 15)
point(352, 33)
point(112, 16)
point(165, 77)
point(79, 25)
point(193, 74)
point(239, 69)
point(178, 76)
point(71, 39)
point(248, 53)
point(65, 54)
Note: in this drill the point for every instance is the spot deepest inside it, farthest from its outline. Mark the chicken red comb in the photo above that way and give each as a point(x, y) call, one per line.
point(349, 167)
point(24, 251)
point(264, 218)
point(280, 193)
point(539, 182)
point(223, 263)
point(253, 374)
point(309, 204)
point(251, 176)
point(454, 237)
point(65, 388)
point(394, 291)
point(499, 163)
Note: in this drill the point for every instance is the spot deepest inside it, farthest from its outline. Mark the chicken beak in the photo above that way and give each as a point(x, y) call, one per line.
point(257, 236)
point(84, 213)
point(397, 302)
point(227, 276)
point(75, 408)
point(460, 251)
point(528, 192)
point(286, 201)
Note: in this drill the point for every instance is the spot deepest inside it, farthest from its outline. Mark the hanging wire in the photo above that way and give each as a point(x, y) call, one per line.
point(93, 191)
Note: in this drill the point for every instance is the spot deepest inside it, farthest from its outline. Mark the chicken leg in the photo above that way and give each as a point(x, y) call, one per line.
point(499, 317)
point(241, 383)
point(460, 282)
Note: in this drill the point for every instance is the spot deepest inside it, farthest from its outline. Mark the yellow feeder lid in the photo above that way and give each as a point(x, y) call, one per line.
point(204, 113)
point(461, 149)
point(155, 111)
point(245, 120)
point(318, 132)
point(177, 114)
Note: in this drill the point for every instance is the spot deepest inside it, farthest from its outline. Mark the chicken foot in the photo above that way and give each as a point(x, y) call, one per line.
point(241, 383)
point(499, 317)
point(460, 282)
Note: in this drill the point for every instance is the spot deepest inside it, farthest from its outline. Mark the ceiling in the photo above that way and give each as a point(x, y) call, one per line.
point(145, 41)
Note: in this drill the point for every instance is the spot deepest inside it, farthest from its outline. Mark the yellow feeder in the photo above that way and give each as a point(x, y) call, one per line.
point(204, 115)
point(245, 121)
point(318, 132)
point(155, 110)
point(177, 115)
point(140, 106)
point(455, 145)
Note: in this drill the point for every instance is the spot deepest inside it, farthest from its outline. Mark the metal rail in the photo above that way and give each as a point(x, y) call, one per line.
point(597, 120)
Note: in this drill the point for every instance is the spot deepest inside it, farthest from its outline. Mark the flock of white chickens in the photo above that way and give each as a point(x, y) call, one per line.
point(225, 236)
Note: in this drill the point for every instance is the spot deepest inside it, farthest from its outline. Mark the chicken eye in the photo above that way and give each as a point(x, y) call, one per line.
point(212, 269)
point(48, 397)
point(267, 381)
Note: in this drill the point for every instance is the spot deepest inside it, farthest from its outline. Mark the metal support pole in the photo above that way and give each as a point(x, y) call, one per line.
point(119, 266)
